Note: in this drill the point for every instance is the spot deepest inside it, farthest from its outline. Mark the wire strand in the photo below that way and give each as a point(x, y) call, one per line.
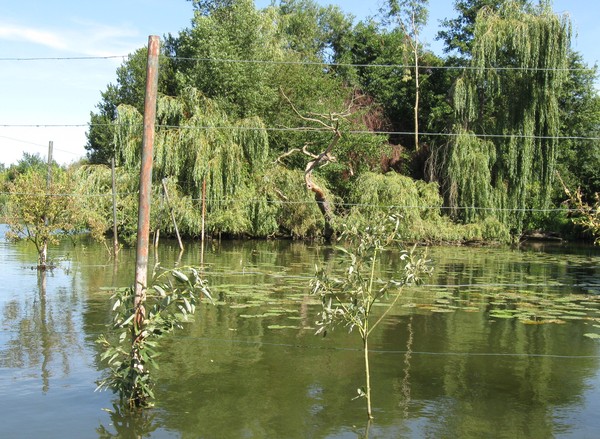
point(301, 203)
point(302, 129)
point(307, 63)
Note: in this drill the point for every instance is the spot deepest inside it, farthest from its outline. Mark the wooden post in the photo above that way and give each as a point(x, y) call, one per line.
point(164, 185)
point(143, 231)
point(114, 202)
point(203, 215)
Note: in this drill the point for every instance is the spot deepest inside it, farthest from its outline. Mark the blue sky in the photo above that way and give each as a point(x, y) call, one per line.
point(63, 92)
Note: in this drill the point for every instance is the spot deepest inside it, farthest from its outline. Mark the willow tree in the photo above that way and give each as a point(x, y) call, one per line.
point(507, 113)
point(198, 145)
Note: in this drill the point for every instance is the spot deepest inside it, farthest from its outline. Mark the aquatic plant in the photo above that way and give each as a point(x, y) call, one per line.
point(349, 299)
point(170, 301)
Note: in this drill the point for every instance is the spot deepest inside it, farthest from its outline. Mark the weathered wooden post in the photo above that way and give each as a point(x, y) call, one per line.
point(143, 231)
point(114, 207)
point(203, 215)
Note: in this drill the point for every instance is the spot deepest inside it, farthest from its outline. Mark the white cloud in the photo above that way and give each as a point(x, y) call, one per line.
point(31, 35)
point(97, 39)
point(85, 38)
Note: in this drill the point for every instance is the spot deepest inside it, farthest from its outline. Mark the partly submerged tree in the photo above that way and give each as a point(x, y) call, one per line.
point(586, 215)
point(41, 212)
point(130, 348)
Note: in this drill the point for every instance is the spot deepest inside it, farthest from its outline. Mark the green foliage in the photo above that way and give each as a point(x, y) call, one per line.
point(469, 175)
point(189, 154)
point(131, 349)
point(349, 299)
point(95, 195)
point(232, 30)
point(223, 113)
point(129, 89)
point(412, 13)
point(457, 33)
point(41, 213)
point(297, 214)
point(419, 206)
point(587, 216)
point(27, 163)
point(578, 158)
point(515, 170)
point(375, 194)
point(245, 195)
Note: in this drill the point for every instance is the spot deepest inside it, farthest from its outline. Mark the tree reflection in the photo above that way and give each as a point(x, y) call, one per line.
point(44, 335)
point(405, 387)
point(42, 328)
point(126, 424)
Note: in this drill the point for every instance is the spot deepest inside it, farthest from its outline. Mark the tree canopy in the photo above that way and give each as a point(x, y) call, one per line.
point(240, 87)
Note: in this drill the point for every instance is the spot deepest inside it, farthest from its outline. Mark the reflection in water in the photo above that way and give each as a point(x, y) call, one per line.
point(39, 329)
point(250, 366)
point(125, 424)
point(405, 388)
point(44, 334)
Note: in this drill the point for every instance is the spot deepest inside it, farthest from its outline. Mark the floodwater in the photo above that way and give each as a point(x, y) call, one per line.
point(500, 343)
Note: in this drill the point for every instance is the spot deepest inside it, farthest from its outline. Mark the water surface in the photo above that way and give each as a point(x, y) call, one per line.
point(470, 355)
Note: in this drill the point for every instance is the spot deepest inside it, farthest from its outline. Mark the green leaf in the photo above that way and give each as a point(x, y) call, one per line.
point(180, 276)
point(129, 319)
point(188, 307)
point(160, 290)
point(206, 293)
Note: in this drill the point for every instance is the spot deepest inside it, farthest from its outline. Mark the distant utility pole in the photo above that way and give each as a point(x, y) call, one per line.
point(143, 231)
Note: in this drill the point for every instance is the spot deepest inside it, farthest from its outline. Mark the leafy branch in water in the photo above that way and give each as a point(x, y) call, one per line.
point(349, 299)
point(131, 351)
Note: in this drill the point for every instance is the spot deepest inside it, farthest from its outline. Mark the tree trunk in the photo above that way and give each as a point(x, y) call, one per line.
point(43, 256)
point(322, 202)
point(367, 377)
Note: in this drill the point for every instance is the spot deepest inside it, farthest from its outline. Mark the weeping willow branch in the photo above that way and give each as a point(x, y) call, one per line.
point(516, 170)
point(222, 160)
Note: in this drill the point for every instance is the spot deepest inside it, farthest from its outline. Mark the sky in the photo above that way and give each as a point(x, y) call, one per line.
point(51, 99)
